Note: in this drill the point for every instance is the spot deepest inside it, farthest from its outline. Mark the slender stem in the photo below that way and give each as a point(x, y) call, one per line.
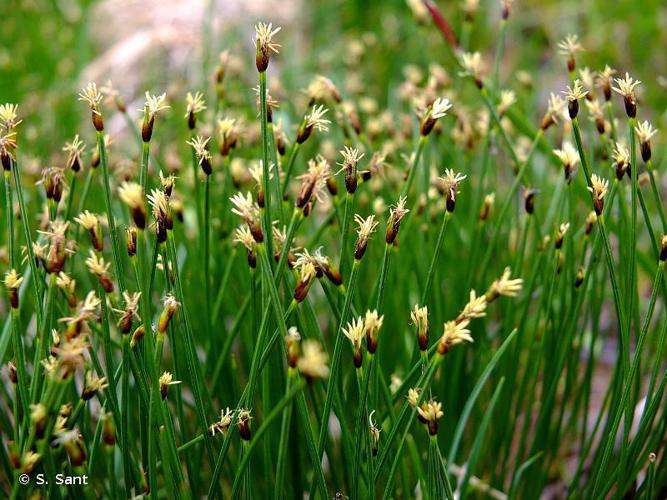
point(115, 245)
point(436, 255)
point(207, 249)
point(335, 363)
point(37, 284)
point(267, 222)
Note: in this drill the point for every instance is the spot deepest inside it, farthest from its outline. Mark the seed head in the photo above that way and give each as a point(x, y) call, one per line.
point(243, 236)
point(438, 109)
point(375, 434)
point(419, 317)
point(663, 248)
point(596, 115)
point(132, 195)
point(505, 285)
point(100, 269)
point(313, 181)
point(74, 151)
point(414, 393)
point(200, 146)
point(91, 223)
point(321, 89)
point(93, 97)
point(243, 423)
point(247, 209)
point(604, 81)
point(221, 426)
point(153, 105)
point(94, 384)
point(228, 135)
point(355, 332)
point(455, 332)
point(264, 45)
point(195, 105)
point(307, 274)
point(9, 116)
point(555, 110)
point(431, 412)
point(450, 183)
point(569, 48)
point(7, 147)
point(644, 133)
point(315, 119)
point(313, 360)
point(351, 158)
point(53, 180)
point(473, 66)
point(573, 94)
point(626, 88)
point(160, 208)
point(170, 306)
point(599, 189)
point(487, 205)
point(560, 234)
point(621, 157)
point(569, 157)
point(507, 99)
point(372, 325)
point(366, 228)
point(13, 281)
point(396, 214)
point(475, 308)
point(165, 380)
point(130, 312)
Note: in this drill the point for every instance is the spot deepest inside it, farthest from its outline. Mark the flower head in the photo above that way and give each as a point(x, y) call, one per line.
point(200, 147)
point(438, 109)
point(91, 96)
point(9, 116)
point(430, 413)
point(355, 333)
point(419, 317)
point(626, 88)
point(154, 104)
point(195, 105)
point(598, 188)
point(569, 48)
point(264, 44)
point(74, 151)
point(604, 81)
point(372, 324)
point(475, 308)
point(504, 286)
point(313, 360)
point(450, 182)
point(573, 94)
point(366, 228)
point(569, 157)
point(165, 380)
point(221, 426)
point(473, 66)
point(322, 89)
point(315, 119)
point(396, 214)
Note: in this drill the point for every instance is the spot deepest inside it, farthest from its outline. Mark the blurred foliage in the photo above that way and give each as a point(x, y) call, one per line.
point(47, 44)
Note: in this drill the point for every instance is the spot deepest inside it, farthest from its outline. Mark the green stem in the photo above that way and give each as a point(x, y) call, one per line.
point(267, 222)
point(115, 245)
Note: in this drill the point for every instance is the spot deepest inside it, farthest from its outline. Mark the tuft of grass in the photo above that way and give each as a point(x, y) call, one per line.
point(224, 319)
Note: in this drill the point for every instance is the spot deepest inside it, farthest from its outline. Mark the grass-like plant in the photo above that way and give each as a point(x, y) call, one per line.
point(223, 319)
